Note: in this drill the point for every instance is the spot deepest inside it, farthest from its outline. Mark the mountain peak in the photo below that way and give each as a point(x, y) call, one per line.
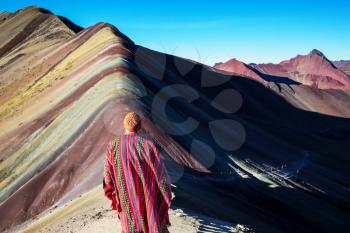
point(234, 60)
point(34, 8)
point(114, 30)
point(316, 52)
point(237, 67)
point(72, 26)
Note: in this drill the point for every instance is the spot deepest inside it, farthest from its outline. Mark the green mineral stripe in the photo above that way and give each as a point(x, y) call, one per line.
point(122, 186)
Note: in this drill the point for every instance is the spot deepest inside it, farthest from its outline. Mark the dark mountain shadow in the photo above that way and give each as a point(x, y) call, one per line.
point(208, 224)
point(275, 79)
point(248, 202)
point(295, 163)
point(75, 28)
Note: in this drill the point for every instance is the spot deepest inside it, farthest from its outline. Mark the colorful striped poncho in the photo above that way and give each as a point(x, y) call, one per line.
point(136, 182)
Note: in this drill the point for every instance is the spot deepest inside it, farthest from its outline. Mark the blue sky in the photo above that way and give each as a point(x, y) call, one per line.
point(213, 31)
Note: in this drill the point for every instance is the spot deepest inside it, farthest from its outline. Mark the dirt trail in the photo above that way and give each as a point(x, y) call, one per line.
point(91, 213)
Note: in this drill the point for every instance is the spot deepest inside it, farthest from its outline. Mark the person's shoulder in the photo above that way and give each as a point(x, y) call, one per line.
point(109, 144)
point(152, 142)
point(146, 138)
point(112, 142)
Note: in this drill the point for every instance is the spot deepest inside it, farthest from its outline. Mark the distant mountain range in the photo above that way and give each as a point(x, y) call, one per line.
point(343, 65)
point(313, 69)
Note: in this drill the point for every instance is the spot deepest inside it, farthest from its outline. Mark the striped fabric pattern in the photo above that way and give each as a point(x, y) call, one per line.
point(136, 182)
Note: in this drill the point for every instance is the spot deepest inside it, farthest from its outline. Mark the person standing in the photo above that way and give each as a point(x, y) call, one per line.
point(135, 180)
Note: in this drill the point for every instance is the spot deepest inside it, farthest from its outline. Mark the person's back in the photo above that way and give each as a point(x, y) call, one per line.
point(136, 181)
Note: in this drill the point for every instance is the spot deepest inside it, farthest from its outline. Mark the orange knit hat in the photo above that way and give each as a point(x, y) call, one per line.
point(132, 121)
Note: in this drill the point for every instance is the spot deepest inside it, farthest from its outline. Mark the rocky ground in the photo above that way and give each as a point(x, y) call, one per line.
point(91, 213)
